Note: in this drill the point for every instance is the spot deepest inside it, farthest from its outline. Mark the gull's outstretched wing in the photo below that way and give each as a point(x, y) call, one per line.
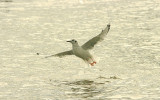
point(90, 44)
point(62, 54)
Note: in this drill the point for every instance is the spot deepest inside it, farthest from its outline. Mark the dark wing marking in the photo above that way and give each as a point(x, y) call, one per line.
point(92, 42)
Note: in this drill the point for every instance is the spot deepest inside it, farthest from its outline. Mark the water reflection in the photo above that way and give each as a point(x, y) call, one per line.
point(4, 9)
point(5, 0)
point(85, 88)
point(4, 6)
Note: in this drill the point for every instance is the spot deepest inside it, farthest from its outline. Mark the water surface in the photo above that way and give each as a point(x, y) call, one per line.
point(128, 65)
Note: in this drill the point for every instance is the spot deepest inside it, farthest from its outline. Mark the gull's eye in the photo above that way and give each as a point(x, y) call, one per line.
point(75, 41)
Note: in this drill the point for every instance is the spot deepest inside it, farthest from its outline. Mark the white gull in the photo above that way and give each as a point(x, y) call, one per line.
point(83, 51)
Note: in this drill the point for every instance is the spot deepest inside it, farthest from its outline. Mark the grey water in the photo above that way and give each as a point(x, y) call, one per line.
point(128, 60)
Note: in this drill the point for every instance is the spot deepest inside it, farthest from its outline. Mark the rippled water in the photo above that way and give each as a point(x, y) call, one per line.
point(128, 65)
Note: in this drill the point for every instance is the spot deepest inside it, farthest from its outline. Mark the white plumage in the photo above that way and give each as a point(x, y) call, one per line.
point(83, 51)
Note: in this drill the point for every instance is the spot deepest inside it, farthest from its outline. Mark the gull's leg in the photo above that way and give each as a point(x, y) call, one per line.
point(94, 62)
point(91, 62)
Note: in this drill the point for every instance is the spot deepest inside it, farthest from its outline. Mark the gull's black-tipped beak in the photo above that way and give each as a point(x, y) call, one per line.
point(68, 41)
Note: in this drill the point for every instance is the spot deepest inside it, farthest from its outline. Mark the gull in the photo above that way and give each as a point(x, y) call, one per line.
point(83, 51)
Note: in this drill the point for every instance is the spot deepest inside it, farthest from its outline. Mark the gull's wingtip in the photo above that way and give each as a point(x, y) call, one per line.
point(108, 25)
point(49, 56)
point(46, 57)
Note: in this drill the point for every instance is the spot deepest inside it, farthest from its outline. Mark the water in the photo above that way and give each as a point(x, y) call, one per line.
point(128, 65)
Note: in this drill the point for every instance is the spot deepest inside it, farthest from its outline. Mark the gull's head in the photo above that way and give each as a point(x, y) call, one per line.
point(73, 41)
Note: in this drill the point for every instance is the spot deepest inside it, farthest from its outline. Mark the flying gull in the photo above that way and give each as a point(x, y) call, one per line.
point(83, 51)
